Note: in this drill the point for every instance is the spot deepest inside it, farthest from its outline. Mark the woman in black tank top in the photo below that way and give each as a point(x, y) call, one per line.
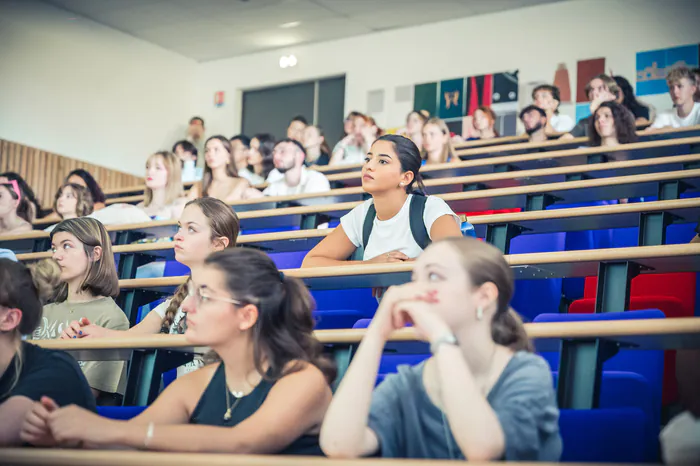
point(269, 392)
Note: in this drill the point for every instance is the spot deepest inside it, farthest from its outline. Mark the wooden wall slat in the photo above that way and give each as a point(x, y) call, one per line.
point(45, 171)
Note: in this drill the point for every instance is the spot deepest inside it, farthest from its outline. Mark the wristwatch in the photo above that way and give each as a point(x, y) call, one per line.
point(446, 339)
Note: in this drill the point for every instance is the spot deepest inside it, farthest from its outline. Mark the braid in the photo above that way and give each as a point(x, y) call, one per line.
point(175, 303)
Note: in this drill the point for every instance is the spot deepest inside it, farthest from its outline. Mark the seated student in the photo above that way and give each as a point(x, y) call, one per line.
point(296, 128)
point(349, 121)
point(353, 147)
point(196, 133)
point(164, 197)
point(15, 210)
point(27, 193)
point(240, 145)
point(221, 178)
point(317, 150)
point(600, 89)
point(187, 153)
point(437, 146)
point(207, 225)
point(415, 121)
point(484, 121)
point(28, 372)
point(289, 156)
point(682, 88)
point(641, 112)
point(535, 121)
point(383, 224)
point(85, 179)
point(547, 97)
point(268, 394)
point(88, 282)
point(612, 125)
point(260, 157)
point(72, 201)
point(482, 396)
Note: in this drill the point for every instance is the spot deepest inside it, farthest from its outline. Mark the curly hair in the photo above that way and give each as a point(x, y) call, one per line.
point(624, 124)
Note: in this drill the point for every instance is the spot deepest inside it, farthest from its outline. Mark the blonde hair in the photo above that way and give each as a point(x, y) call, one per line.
point(448, 152)
point(485, 263)
point(84, 204)
point(101, 277)
point(680, 72)
point(173, 188)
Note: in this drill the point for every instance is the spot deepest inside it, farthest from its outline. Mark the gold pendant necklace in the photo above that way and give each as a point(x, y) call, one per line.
point(229, 407)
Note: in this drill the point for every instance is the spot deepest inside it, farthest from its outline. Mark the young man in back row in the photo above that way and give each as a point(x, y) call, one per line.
point(289, 156)
point(682, 87)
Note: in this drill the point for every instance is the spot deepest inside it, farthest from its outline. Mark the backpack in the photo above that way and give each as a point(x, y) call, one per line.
point(415, 215)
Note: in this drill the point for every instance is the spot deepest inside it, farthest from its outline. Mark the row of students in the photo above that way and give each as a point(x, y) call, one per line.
point(269, 391)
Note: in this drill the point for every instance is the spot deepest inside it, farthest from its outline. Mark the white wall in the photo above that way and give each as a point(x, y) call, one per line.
point(533, 40)
point(87, 91)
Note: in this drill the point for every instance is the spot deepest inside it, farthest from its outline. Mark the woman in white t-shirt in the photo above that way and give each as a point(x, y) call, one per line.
point(206, 225)
point(389, 174)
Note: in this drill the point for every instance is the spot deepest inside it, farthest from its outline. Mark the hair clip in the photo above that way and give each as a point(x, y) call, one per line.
point(15, 188)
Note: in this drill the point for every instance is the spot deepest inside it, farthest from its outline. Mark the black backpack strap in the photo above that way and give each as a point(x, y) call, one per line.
point(369, 223)
point(418, 230)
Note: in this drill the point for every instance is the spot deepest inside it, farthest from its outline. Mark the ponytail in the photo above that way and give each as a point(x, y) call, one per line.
point(507, 330)
point(283, 333)
point(174, 305)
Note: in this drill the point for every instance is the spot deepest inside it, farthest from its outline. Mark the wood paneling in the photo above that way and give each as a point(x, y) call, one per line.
point(45, 171)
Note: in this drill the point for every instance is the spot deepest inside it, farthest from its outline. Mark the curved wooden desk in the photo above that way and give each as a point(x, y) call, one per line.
point(665, 185)
point(578, 156)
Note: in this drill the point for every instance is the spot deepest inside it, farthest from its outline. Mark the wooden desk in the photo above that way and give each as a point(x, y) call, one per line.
point(155, 354)
point(34, 456)
point(665, 185)
point(536, 160)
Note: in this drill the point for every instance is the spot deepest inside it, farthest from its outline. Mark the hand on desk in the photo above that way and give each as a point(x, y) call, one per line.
point(83, 328)
point(35, 429)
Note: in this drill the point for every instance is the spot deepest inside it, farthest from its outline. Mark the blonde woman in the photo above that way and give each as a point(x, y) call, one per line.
point(164, 195)
point(88, 282)
point(437, 146)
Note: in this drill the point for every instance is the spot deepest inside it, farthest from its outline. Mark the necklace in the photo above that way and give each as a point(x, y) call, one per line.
point(229, 407)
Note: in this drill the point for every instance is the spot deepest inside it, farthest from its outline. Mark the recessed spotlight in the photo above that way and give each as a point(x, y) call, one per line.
point(291, 24)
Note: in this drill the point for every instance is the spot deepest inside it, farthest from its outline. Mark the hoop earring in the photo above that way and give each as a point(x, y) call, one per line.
point(479, 313)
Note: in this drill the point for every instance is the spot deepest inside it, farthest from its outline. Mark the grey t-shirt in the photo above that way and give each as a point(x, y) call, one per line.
point(409, 425)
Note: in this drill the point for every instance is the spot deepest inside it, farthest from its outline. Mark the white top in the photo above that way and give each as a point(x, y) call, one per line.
point(671, 118)
point(562, 123)
point(311, 181)
point(679, 440)
point(252, 178)
point(190, 172)
point(393, 234)
point(197, 362)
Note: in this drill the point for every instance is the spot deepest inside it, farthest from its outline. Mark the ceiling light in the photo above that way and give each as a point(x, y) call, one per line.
point(291, 24)
point(288, 61)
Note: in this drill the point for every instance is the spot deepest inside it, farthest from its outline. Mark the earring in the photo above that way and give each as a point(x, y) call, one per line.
point(400, 184)
point(479, 313)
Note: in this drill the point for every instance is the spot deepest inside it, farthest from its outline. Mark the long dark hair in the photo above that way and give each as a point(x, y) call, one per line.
point(98, 196)
point(630, 100)
point(284, 330)
point(410, 159)
point(624, 124)
point(223, 222)
point(485, 263)
point(30, 210)
point(266, 147)
point(231, 169)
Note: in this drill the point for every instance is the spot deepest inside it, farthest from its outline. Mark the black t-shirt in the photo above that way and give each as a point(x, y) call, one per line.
point(323, 159)
point(47, 373)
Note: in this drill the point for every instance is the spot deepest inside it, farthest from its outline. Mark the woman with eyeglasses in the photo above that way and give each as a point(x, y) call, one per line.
point(267, 394)
point(207, 225)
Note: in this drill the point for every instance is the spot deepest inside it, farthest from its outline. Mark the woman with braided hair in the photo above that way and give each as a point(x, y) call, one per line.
point(207, 225)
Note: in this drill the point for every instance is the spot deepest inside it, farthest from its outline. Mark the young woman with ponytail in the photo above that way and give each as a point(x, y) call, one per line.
point(28, 372)
point(390, 174)
point(270, 390)
point(482, 396)
point(207, 225)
